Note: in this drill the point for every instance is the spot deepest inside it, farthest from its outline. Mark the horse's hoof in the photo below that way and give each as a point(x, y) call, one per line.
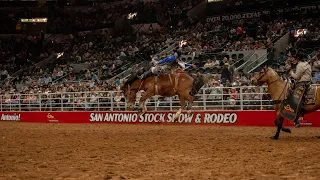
point(189, 112)
point(274, 138)
point(287, 130)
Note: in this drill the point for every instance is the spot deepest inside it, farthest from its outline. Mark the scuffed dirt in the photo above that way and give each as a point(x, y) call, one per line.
point(104, 151)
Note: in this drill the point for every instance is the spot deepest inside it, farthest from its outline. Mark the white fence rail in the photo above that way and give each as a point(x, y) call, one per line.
point(218, 98)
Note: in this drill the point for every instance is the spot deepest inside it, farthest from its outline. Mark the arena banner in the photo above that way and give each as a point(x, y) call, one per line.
point(231, 17)
point(225, 118)
point(258, 14)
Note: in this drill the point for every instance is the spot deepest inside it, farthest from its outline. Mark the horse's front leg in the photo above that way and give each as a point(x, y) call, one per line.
point(142, 108)
point(189, 106)
point(183, 105)
point(279, 123)
point(142, 103)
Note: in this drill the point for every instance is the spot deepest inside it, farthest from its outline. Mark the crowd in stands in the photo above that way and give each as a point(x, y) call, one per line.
point(103, 15)
point(105, 56)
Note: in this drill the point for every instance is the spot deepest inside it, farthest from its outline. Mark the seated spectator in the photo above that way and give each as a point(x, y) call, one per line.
point(215, 61)
point(248, 96)
point(209, 64)
point(282, 58)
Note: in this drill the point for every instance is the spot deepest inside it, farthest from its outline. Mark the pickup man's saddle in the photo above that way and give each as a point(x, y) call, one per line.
point(310, 97)
point(301, 95)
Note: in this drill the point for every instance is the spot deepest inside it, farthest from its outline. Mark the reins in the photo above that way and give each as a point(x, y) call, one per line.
point(277, 101)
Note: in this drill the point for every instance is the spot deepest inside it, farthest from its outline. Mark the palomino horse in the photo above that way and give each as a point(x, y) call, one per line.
point(166, 85)
point(279, 90)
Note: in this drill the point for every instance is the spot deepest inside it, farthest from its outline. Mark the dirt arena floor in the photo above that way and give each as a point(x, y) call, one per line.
point(104, 151)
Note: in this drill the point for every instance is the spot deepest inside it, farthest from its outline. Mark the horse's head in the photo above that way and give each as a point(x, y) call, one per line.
point(130, 93)
point(266, 75)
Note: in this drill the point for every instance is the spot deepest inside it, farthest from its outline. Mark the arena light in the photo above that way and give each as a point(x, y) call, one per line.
point(182, 43)
point(59, 55)
point(34, 20)
point(211, 1)
point(131, 15)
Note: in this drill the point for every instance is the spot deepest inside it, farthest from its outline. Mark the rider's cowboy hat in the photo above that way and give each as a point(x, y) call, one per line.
point(300, 56)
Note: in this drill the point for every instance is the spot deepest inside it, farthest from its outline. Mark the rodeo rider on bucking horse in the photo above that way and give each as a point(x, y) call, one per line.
point(302, 76)
point(174, 62)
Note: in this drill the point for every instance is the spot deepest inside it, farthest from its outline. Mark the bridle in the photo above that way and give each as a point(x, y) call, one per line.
point(265, 72)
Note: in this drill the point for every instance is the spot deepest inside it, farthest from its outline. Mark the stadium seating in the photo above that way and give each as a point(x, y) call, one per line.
point(92, 56)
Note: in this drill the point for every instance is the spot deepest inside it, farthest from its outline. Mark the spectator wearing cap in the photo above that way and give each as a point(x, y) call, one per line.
point(215, 93)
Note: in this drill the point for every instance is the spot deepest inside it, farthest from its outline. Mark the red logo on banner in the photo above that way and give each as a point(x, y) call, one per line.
point(51, 118)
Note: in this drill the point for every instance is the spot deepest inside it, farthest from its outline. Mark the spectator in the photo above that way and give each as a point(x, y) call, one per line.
point(215, 61)
point(225, 74)
point(209, 64)
point(282, 58)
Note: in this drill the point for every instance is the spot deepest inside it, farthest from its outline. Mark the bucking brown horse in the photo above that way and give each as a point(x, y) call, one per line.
point(279, 91)
point(166, 85)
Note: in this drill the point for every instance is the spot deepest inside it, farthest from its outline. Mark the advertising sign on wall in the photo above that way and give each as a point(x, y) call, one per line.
point(258, 14)
point(225, 118)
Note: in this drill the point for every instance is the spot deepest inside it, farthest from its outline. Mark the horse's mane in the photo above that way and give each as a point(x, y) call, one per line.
point(274, 71)
point(132, 78)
